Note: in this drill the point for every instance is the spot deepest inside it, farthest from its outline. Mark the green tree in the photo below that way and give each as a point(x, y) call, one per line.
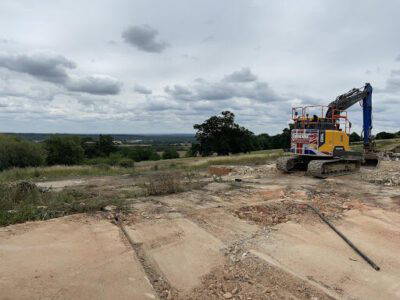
point(64, 150)
point(90, 147)
point(105, 145)
point(20, 153)
point(170, 154)
point(385, 135)
point(354, 137)
point(264, 141)
point(221, 135)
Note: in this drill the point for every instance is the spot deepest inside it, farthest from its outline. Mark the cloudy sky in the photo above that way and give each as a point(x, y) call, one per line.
point(148, 66)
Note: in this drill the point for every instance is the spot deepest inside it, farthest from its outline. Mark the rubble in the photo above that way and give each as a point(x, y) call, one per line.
point(387, 174)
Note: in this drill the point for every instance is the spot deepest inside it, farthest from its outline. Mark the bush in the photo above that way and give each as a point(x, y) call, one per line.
point(18, 153)
point(170, 154)
point(65, 150)
point(164, 183)
point(126, 163)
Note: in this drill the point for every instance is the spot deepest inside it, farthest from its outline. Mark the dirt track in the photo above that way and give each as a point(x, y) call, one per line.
point(253, 239)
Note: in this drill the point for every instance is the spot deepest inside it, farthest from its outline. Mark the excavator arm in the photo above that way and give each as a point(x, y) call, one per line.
point(350, 98)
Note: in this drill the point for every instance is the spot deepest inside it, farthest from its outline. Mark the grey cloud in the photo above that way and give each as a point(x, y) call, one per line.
point(395, 73)
point(398, 58)
point(96, 85)
point(51, 68)
point(142, 89)
point(243, 75)
point(159, 103)
point(240, 84)
point(393, 85)
point(207, 39)
point(144, 39)
point(179, 92)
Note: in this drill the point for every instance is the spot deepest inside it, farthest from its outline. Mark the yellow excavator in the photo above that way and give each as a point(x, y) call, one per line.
point(320, 137)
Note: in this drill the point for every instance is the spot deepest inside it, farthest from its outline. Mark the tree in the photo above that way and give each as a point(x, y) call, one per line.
point(385, 135)
point(19, 153)
point(105, 145)
point(354, 137)
point(170, 154)
point(64, 150)
point(221, 135)
point(264, 141)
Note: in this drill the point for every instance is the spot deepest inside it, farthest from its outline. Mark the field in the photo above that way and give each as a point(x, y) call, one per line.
point(199, 228)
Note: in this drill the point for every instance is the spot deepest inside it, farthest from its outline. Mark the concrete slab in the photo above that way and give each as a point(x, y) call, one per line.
point(182, 251)
point(316, 253)
point(74, 257)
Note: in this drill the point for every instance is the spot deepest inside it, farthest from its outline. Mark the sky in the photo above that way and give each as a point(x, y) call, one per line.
point(160, 66)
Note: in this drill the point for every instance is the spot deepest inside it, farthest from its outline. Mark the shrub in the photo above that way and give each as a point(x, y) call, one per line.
point(126, 163)
point(164, 183)
point(18, 153)
point(170, 154)
point(66, 150)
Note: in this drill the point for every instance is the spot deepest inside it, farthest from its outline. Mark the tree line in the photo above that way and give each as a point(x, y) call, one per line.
point(219, 135)
point(73, 150)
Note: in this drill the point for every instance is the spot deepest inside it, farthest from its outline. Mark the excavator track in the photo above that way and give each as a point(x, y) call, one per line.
point(286, 163)
point(290, 163)
point(332, 167)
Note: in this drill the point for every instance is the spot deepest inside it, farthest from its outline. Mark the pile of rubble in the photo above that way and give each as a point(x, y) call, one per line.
point(392, 154)
point(255, 172)
point(387, 174)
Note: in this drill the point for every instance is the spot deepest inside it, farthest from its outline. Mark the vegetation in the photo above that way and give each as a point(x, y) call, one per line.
point(354, 137)
point(24, 201)
point(163, 183)
point(170, 154)
point(64, 150)
point(18, 153)
point(220, 134)
point(386, 135)
point(54, 172)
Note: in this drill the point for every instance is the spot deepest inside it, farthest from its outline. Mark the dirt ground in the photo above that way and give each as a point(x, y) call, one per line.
point(247, 235)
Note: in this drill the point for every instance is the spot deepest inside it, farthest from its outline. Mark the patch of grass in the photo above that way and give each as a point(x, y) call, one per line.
point(61, 172)
point(24, 201)
point(255, 158)
point(164, 183)
point(381, 145)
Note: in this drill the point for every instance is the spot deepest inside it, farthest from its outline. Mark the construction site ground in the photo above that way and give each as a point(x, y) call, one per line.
point(248, 234)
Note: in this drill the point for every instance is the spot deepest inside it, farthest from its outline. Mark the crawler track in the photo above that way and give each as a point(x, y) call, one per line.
point(334, 167)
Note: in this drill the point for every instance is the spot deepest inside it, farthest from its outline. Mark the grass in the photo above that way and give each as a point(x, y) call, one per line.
point(24, 201)
point(54, 172)
point(183, 164)
point(381, 145)
point(164, 183)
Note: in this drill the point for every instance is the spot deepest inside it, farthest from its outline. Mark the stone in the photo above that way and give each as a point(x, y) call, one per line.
point(228, 295)
point(109, 208)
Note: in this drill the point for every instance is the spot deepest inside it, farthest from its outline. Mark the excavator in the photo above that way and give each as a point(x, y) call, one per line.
point(320, 137)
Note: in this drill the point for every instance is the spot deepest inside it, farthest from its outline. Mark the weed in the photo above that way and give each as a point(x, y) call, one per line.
point(164, 183)
point(24, 201)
